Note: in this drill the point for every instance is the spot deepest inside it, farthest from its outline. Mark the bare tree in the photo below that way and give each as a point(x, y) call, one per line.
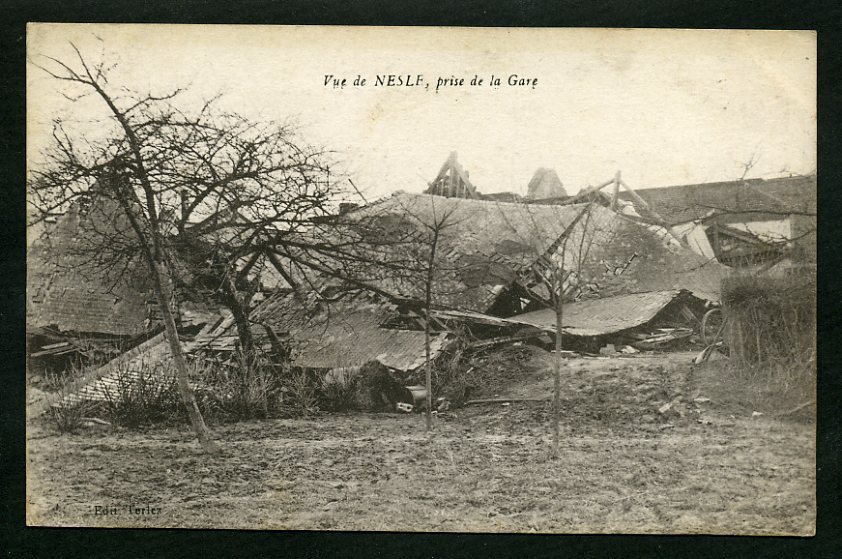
point(560, 271)
point(431, 265)
point(203, 183)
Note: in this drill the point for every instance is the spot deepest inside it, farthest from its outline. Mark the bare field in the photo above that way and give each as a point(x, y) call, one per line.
point(624, 467)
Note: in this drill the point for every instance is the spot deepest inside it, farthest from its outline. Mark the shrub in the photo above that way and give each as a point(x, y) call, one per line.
point(248, 390)
point(299, 394)
point(771, 332)
point(454, 375)
point(143, 395)
point(456, 379)
point(66, 417)
point(770, 317)
point(338, 391)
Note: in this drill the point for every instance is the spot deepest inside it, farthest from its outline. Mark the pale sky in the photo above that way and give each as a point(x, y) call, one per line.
point(662, 107)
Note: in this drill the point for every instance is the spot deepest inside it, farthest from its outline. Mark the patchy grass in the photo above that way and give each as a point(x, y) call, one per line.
point(623, 468)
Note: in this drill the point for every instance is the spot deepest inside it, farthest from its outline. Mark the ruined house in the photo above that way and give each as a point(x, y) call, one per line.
point(76, 301)
point(740, 223)
point(485, 285)
point(88, 293)
point(492, 256)
point(495, 245)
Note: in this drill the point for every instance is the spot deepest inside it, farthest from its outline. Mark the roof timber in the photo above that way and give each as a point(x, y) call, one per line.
point(452, 181)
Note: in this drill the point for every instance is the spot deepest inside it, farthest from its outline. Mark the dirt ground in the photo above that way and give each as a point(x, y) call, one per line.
point(700, 465)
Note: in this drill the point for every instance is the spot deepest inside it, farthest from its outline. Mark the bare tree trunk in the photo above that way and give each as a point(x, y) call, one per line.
point(428, 303)
point(163, 293)
point(152, 253)
point(240, 316)
point(245, 353)
point(428, 370)
point(559, 313)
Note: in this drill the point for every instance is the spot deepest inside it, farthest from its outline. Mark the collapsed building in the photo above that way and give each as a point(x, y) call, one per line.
point(77, 306)
point(89, 297)
point(744, 223)
point(487, 289)
point(630, 280)
point(490, 283)
point(757, 224)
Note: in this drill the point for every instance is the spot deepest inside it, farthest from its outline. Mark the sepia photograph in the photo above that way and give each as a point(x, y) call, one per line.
point(421, 279)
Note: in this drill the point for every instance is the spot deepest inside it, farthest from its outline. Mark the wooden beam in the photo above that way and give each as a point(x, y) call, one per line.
point(615, 191)
point(273, 259)
point(640, 200)
point(504, 400)
point(443, 171)
point(452, 180)
point(505, 339)
point(661, 221)
point(468, 187)
point(588, 190)
point(717, 247)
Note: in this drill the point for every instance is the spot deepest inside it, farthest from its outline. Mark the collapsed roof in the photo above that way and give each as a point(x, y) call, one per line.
point(74, 285)
point(599, 317)
point(487, 247)
point(774, 197)
point(487, 250)
point(108, 382)
point(85, 275)
point(349, 333)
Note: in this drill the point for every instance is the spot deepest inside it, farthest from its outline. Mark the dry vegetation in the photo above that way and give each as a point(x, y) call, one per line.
point(699, 467)
point(771, 333)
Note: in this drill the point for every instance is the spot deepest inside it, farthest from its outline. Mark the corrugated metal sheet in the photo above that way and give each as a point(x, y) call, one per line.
point(602, 316)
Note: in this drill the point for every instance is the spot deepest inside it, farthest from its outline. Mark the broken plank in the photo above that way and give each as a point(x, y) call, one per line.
point(57, 351)
point(55, 346)
point(503, 340)
point(504, 400)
